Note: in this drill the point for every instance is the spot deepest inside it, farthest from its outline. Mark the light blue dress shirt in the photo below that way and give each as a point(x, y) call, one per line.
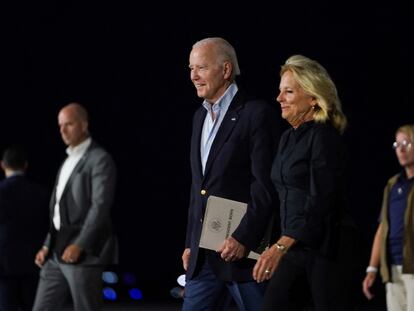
point(210, 126)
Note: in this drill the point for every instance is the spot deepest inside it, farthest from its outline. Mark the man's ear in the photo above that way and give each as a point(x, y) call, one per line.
point(227, 70)
point(85, 126)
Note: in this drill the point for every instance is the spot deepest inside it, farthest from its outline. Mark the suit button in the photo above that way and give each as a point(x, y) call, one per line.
point(203, 192)
point(201, 220)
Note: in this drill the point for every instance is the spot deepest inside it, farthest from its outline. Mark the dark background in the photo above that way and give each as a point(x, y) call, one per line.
point(127, 63)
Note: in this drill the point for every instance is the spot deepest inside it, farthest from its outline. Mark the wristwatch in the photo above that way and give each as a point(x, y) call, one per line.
point(281, 248)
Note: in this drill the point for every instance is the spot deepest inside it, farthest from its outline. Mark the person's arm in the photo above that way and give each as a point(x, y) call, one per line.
point(373, 265)
point(325, 185)
point(103, 179)
point(186, 253)
point(190, 219)
point(44, 251)
point(263, 139)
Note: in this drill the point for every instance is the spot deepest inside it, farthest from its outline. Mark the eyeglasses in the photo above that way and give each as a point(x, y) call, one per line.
point(404, 144)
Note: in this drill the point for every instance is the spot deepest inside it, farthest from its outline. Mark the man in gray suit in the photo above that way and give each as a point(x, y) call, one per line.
point(80, 240)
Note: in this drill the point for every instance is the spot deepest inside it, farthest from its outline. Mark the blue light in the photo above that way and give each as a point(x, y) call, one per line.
point(109, 277)
point(135, 294)
point(109, 293)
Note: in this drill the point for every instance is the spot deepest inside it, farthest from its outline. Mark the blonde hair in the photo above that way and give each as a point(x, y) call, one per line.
point(407, 129)
point(315, 81)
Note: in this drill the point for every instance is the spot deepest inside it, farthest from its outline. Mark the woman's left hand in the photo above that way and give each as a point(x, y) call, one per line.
point(267, 264)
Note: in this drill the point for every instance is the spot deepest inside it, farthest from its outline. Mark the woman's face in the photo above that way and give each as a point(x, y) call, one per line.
point(296, 105)
point(404, 149)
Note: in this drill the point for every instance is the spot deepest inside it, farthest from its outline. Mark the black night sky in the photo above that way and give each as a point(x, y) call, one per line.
point(128, 65)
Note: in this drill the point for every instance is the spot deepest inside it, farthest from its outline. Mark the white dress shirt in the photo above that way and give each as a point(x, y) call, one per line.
point(74, 155)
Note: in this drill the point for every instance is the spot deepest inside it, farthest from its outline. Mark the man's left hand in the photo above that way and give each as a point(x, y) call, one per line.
point(71, 254)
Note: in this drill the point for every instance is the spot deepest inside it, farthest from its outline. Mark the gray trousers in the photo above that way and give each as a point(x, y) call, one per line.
point(57, 280)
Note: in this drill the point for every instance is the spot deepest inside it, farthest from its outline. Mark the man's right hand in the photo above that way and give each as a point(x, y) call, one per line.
point(186, 258)
point(41, 256)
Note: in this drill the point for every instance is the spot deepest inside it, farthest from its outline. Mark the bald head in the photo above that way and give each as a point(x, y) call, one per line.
point(73, 124)
point(78, 110)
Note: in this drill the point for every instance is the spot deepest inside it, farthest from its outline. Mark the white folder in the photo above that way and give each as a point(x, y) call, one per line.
point(221, 218)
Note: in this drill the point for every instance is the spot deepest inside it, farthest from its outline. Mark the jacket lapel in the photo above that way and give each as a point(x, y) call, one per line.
point(77, 169)
point(226, 127)
point(196, 143)
point(53, 197)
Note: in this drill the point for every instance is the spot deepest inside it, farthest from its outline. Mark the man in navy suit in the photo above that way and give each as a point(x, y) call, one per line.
point(233, 143)
point(80, 241)
point(23, 223)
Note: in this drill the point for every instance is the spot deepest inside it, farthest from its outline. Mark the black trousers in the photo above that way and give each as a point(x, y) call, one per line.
point(306, 279)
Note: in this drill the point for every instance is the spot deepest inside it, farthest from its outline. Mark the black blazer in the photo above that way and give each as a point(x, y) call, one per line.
point(23, 224)
point(238, 168)
point(308, 173)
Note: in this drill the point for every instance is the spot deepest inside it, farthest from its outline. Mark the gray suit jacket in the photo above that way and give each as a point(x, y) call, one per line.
point(85, 210)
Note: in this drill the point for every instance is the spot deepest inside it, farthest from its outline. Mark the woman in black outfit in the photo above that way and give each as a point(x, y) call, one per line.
point(308, 173)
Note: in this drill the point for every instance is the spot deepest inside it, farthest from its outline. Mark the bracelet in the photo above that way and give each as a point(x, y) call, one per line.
point(281, 248)
point(372, 269)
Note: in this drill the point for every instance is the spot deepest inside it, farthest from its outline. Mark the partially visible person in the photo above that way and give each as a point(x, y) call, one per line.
point(393, 245)
point(80, 241)
point(233, 142)
point(309, 175)
point(23, 224)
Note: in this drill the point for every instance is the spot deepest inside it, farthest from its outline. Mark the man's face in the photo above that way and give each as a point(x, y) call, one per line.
point(72, 129)
point(208, 76)
point(404, 149)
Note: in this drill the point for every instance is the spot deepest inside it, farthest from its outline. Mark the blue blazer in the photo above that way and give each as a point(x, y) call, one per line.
point(238, 168)
point(23, 224)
